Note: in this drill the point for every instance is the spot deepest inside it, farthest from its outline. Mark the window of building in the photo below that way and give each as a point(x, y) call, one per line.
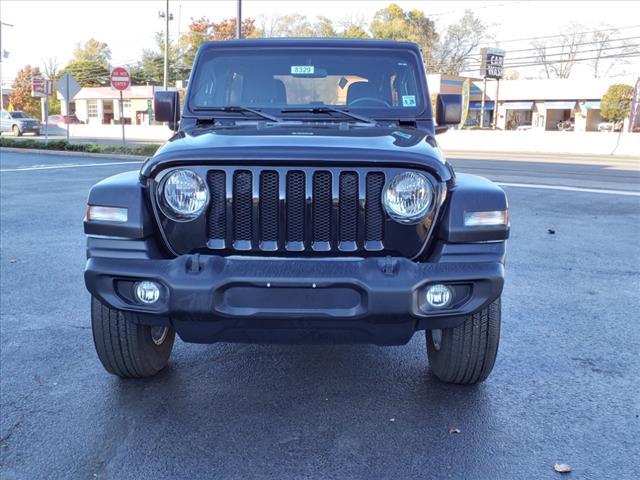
point(126, 108)
point(92, 108)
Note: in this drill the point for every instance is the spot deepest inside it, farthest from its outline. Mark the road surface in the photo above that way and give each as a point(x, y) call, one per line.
point(564, 388)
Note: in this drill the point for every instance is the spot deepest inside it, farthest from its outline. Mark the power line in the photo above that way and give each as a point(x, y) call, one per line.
point(577, 60)
point(564, 34)
point(591, 42)
point(512, 61)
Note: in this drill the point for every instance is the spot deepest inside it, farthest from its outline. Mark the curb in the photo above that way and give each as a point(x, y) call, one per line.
point(454, 153)
point(74, 154)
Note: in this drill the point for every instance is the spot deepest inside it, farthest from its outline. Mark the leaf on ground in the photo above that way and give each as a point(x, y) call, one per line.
point(562, 467)
point(454, 430)
point(551, 231)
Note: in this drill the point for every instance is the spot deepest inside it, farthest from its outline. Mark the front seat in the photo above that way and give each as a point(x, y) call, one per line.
point(260, 91)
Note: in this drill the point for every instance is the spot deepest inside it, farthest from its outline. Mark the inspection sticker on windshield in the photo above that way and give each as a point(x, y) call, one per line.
point(302, 70)
point(408, 100)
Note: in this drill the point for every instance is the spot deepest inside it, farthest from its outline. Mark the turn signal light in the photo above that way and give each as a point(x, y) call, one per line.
point(106, 214)
point(486, 219)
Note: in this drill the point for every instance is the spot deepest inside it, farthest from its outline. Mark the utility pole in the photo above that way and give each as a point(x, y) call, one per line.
point(166, 47)
point(239, 20)
point(166, 16)
point(3, 54)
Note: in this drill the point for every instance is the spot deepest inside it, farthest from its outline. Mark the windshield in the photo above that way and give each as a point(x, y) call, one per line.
point(376, 82)
point(18, 115)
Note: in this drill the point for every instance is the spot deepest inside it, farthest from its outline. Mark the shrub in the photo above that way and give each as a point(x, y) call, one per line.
point(62, 145)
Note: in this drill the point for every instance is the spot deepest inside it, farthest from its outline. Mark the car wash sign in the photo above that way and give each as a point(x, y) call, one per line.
point(492, 60)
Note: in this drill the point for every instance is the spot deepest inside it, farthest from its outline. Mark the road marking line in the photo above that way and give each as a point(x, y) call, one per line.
point(65, 165)
point(569, 189)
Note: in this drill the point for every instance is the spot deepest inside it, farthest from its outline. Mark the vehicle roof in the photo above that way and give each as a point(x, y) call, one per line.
point(312, 42)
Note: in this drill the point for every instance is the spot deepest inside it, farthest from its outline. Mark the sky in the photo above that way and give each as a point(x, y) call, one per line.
point(51, 29)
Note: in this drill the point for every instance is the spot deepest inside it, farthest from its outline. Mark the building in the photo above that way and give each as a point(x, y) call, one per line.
point(533, 104)
point(453, 84)
point(101, 105)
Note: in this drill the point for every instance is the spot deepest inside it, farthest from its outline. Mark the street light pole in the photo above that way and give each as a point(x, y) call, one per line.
point(239, 20)
point(166, 47)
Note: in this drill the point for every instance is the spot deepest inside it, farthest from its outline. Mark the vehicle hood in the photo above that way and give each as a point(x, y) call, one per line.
point(328, 143)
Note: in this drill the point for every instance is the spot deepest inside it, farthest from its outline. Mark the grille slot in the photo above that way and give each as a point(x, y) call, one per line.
point(279, 209)
point(295, 207)
point(322, 208)
point(374, 215)
point(269, 206)
point(217, 220)
point(242, 203)
point(348, 207)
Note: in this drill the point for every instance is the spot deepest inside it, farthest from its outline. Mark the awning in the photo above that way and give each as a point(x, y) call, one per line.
point(488, 105)
point(518, 105)
point(592, 105)
point(560, 105)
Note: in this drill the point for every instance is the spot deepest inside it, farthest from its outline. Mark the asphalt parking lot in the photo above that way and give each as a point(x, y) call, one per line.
point(564, 389)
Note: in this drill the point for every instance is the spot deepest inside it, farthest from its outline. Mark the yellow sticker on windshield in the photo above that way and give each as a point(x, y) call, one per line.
point(302, 70)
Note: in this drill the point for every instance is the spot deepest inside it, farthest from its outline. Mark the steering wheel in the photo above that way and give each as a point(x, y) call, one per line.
point(369, 99)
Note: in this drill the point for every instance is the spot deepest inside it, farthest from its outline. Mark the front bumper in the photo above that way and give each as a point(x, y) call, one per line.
point(30, 128)
point(251, 299)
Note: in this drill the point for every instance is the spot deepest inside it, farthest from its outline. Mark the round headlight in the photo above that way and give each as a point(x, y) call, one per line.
point(184, 194)
point(408, 198)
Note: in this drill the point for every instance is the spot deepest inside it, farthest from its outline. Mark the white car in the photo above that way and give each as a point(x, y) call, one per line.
point(610, 126)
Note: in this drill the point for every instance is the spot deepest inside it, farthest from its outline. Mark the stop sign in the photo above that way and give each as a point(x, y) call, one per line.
point(120, 78)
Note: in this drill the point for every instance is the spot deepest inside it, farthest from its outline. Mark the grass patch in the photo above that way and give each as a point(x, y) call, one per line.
point(62, 145)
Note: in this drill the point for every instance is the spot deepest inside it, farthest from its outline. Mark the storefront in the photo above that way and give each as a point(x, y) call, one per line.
point(558, 112)
point(475, 111)
point(517, 114)
point(590, 111)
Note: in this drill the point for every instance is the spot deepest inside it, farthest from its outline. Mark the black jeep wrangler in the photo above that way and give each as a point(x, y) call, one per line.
point(302, 199)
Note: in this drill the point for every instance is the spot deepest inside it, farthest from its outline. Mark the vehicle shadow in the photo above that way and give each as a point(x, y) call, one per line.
point(292, 407)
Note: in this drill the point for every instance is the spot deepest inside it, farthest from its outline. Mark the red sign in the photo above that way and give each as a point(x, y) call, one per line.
point(40, 87)
point(120, 78)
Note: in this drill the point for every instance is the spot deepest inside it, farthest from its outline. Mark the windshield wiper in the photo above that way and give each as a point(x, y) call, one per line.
point(238, 109)
point(328, 109)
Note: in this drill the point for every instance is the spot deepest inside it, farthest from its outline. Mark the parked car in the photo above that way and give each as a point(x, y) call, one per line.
point(64, 119)
point(18, 123)
point(303, 199)
point(610, 126)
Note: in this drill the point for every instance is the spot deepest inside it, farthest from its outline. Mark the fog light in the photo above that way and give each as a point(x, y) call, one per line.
point(147, 292)
point(439, 296)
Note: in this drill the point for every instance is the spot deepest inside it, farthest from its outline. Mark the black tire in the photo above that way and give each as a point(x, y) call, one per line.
point(16, 131)
point(466, 354)
point(125, 348)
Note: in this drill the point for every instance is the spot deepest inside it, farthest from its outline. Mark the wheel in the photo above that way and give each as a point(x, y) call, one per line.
point(128, 349)
point(465, 355)
point(16, 131)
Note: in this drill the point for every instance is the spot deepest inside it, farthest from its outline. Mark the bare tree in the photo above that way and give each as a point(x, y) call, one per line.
point(51, 67)
point(605, 43)
point(458, 45)
point(559, 58)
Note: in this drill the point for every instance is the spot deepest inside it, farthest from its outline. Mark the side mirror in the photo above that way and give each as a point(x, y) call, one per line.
point(166, 105)
point(448, 110)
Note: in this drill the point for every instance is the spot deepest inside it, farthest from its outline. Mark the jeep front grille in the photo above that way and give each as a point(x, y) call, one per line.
point(295, 210)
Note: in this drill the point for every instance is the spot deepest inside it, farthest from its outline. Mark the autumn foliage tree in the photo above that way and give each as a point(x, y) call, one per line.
point(20, 97)
point(616, 102)
point(204, 30)
point(90, 63)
